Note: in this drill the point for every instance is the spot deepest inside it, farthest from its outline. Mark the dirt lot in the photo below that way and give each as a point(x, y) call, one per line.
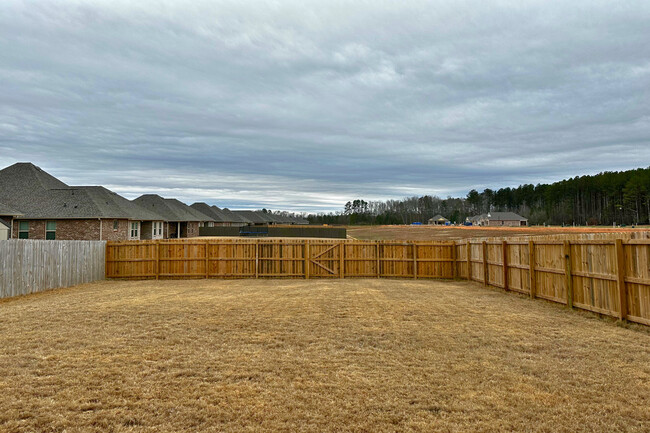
point(432, 233)
point(293, 355)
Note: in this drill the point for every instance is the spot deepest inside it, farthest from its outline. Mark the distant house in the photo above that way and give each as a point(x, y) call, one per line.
point(51, 209)
point(505, 219)
point(181, 220)
point(438, 220)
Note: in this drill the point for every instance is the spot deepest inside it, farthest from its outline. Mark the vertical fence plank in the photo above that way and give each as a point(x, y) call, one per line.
point(504, 246)
point(454, 264)
point(342, 260)
point(469, 261)
point(485, 264)
point(620, 279)
point(568, 272)
point(415, 261)
point(531, 269)
point(307, 256)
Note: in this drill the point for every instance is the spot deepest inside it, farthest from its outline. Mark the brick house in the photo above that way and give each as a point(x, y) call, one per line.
point(501, 219)
point(181, 220)
point(51, 209)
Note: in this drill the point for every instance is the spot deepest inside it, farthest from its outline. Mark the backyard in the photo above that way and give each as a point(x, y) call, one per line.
point(294, 355)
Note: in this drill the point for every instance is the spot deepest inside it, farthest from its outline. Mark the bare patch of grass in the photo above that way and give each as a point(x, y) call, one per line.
point(291, 355)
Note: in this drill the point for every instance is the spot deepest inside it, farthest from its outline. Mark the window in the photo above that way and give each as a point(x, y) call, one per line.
point(115, 225)
point(157, 229)
point(50, 230)
point(210, 224)
point(23, 230)
point(134, 232)
point(201, 224)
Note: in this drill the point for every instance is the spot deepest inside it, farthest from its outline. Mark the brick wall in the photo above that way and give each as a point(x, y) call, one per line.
point(110, 234)
point(192, 229)
point(87, 229)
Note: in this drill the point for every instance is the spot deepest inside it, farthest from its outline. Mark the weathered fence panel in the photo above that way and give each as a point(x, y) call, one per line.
point(30, 266)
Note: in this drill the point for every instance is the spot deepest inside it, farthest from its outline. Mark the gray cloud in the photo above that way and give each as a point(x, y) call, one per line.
point(305, 105)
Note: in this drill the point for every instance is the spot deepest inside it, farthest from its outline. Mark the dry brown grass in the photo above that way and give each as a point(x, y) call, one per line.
point(442, 233)
point(284, 356)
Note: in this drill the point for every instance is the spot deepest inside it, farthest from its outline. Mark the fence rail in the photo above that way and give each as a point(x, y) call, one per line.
point(30, 266)
point(606, 276)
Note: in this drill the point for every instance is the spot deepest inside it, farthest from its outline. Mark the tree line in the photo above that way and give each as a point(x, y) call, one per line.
point(616, 197)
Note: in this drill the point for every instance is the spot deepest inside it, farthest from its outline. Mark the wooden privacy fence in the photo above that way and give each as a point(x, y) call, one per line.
point(606, 276)
point(30, 266)
point(237, 258)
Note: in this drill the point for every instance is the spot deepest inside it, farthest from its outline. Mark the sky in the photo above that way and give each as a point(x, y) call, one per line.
point(304, 105)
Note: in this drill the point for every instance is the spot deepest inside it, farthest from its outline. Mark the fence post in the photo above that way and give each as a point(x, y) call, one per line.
point(207, 259)
point(307, 256)
point(415, 261)
point(342, 260)
point(454, 264)
point(505, 265)
point(485, 264)
point(569, 278)
point(531, 270)
point(469, 261)
point(620, 278)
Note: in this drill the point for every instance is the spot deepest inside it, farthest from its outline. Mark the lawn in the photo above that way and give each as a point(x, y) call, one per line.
point(318, 356)
point(446, 233)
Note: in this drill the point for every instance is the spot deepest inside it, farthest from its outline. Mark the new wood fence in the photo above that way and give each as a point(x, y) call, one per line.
point(606, 276)
point(237, 258)
point(30, 266)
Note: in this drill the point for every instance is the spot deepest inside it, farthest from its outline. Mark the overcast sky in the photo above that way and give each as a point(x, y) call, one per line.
point(303, 105)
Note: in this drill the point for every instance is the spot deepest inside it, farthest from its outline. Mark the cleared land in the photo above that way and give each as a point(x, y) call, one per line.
point(441, 233)
point(292, 355)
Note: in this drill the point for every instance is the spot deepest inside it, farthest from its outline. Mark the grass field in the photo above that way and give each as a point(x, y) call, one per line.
point(321, 356)
point(442, 233)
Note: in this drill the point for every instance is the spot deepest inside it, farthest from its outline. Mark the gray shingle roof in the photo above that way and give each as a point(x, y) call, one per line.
point(211, 211)
point(505, 216)
point(5, 210)
point(438, 218)
point(170, 208)
point(235, 216)
point(499, 216)
point(254, 217)
point(39, 195)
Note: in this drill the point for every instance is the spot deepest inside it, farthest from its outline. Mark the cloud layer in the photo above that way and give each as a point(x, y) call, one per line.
point(303, 105)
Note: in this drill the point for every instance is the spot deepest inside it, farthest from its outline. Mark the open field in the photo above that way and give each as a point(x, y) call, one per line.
point(442, 233)
point(291, 355)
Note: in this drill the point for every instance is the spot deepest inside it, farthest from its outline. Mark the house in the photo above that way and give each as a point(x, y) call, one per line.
point(181, 220)
point(438, 220)
point(504, 219)
point(51, 209)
